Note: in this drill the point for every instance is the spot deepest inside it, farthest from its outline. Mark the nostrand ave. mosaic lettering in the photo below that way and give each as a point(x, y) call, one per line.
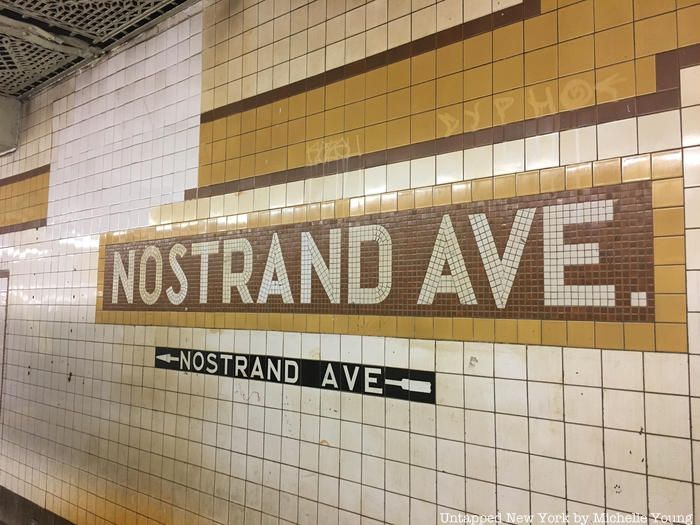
point(572, 255)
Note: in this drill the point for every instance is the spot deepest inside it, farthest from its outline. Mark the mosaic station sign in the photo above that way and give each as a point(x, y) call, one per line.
point(582, 254)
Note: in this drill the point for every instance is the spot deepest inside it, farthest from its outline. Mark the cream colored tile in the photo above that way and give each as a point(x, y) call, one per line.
point(449, 167)
point(659, 131)
point(578, 145)
point(691, 126)
point(617, 139)
point(509, 157)
point(478, 162)
point(542, 151)
point(690, 86)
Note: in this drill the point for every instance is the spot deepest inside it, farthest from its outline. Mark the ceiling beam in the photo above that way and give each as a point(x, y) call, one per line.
point(42, 38)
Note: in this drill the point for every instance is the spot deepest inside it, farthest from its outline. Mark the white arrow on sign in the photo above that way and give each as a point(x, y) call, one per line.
point(168, 358)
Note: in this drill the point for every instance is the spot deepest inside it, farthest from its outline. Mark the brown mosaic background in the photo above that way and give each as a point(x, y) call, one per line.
point(626, 255)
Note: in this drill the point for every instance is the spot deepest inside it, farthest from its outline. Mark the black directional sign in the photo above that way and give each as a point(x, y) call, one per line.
point(398, 383)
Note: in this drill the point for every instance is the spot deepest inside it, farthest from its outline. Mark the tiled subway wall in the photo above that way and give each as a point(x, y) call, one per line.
point(361, 262)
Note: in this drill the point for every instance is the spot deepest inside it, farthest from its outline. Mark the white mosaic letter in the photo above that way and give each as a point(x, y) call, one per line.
point(178, 250)
point(358, 235)
point(275, 266)
point(557, 255)
point(329, 275)
point(446, 251)
point(502, 272)
point(151, 252)
point(204, 249)
point(120, 275)
point(239, 280)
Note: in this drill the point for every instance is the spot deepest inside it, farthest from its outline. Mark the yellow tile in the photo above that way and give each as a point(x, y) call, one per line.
point(387, 326)
point(669, 279)
point(442, 195)
point(406, 200)
point(335, 95)
point(354, 115)
point(449, 120)
point(579, 176)
point(376, 82)
point(482, 189)
point(399, 103)
point(354, 89)
point(478, 82)
point(670, 308)
point(508, 41)
point(576, 55)
point(541, 65)
point(508, 74)
point(552, 180)
point(610, 14)
point(478, 50)
point(606, 172)
point(666, 193)
point(504, 187)
point(423, 67)
point(576, 20)
point(449, 59)
point(461, 192)
point(424, 328)
point(527, 183)
point(389, 202)
point(423, 197)
point(580, 333)
point(398, 132)
point(577, 91)
point(463, 328)
point(405, 327)
point(669, 250)
point(423, 127)
point(614, 45)
point(506, 330)
point(647, 8)
point(372, 204)
point(554, 333)
point(667, 164)
point(443, 328)
point(639, 336)
point(263, 116)
point(450, 89)
point(645, 69)
point(542, 99)
point(669, 221)
point(297, 106)
point(656, 34)
point(688, 23)
point(540, 31)
point(671, 337)
point(399, 75)
point(423, 97)
point(636, 168)
point(375, 137)
point(484, 330)
point(615, 82)
point(478, 114)
point(609, 335)
point(509, 106)
point(529, 331)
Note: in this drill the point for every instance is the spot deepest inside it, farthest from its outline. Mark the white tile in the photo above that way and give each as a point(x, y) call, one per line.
point(583, 405)
point(544, 363)
point(509, 157)
point(693, 284)
point(478, 162)
point(353, 184)
point(510, 361)
point(398, 176)
point(545, 400)
point(482, 462)
point(511, 432)
point(479, 393)
point(616, 139)
point(691, 126)
point(542, 151)
point(478, 359)
point(582, 366)
point(511, 396)
point(546, 437)
point(626, 491)
point(690, 86)
point(625, 450)
point(375, 180)
point(667, 415)
point(694, 333)
point(512, 469)
point(691, 166)
point(585, 483)
point(623, 409)
point(666, 373)
point(623, 370)
point(547, 476)
point(584, 444)
point(692, 256)
point(659, 131)
point(423, 172)
point(671, 498)
point(449, 167)
point(669, 457)
point(578, 145)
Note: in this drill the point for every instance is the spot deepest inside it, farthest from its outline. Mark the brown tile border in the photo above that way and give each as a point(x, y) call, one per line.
point(510, 15)
point(4, 273)
point(37, 223)
point(26, 175)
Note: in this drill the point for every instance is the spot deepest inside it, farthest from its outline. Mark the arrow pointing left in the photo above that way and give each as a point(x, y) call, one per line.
point(168, 358)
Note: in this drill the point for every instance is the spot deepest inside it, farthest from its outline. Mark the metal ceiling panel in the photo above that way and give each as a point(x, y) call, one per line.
point(42, 39)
